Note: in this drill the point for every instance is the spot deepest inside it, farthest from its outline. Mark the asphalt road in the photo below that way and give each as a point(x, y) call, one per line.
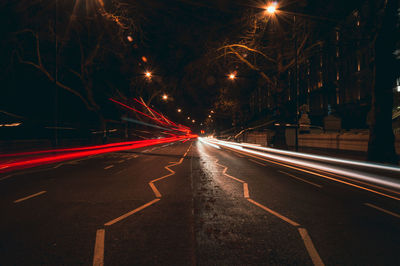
point(188, 203)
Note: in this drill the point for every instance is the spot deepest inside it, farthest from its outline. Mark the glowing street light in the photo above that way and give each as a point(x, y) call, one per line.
point(271, 8)
point(193, 121)
point(148, 74)
point(165, 97)
point(179, 110)
point(188, 118)
point(209, 116)
point(212, 111)
point(232, 76)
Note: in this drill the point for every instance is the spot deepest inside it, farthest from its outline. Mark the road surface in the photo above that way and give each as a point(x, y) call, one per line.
point(189, 203)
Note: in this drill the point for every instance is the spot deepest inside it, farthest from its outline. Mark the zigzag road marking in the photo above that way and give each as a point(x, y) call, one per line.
point(312, 251)
point(98, 257)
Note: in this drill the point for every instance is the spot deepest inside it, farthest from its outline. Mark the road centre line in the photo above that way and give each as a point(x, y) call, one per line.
point(155, 190)
point(301, 179)
point(324, 176)
point(29, 197)
point(121, 161)
point(98, 257)
point(108, 167)
point(254, 161)
point(382, 210)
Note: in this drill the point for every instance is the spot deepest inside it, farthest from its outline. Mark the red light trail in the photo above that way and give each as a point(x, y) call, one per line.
point(83, 152)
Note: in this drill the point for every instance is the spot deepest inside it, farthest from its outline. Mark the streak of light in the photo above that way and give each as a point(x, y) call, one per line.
point(202, 140)
point(9, 155)
point(153, 111)
point(144, 123)
point(375, 179)
point(135, 110)
point(32, 162)
point(322, 158)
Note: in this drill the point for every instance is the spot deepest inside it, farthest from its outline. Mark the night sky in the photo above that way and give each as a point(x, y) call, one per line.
point(177, 38)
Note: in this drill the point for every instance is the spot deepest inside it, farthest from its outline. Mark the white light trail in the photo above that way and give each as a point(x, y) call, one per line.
point(318, 157)
point(363, 176)
point(202, 140)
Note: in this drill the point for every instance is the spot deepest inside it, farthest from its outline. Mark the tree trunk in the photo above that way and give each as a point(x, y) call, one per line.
point(381, 140)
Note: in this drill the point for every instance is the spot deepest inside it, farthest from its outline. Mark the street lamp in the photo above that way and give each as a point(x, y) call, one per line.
point(165, 97)
point(272, 9)
point(148, 74)
point(232, 76)
point(179, 110)
point(193, 121)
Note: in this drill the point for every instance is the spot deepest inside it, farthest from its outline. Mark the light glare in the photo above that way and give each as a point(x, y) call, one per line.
point(271, 8)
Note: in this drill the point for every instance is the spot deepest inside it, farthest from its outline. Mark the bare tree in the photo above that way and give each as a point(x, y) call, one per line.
point(268, 48)
point(83, 41)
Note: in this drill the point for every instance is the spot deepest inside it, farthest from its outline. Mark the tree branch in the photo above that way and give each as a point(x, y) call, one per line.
point(244, 60)
point(51, 78)
point(249, 49)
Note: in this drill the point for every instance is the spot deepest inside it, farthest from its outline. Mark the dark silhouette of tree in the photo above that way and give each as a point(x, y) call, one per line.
point(386, 68)
point(78, 46)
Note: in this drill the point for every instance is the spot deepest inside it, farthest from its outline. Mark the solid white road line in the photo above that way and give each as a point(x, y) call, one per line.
point(98, 257)
point(131, 212)
point(108, 167)
point(254, 161)
point(312, 251)
point(382, 210)
point(301, 179)
point(29, 197)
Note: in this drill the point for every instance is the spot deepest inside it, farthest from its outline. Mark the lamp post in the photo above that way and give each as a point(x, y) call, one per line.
point(296, 83)
point(272, 9)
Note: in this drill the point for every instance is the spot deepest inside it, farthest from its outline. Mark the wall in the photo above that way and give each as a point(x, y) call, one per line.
point(351, 141)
